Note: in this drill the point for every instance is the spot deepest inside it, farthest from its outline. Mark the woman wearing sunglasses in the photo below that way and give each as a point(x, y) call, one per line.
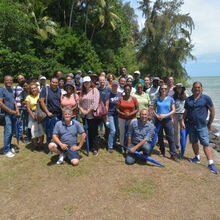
point(164, 108)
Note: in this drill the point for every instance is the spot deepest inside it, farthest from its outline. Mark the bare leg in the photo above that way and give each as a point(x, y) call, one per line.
point(53, 148)
point(208, 152)
point(41, 140)
point(35, 141)
point(195, 147)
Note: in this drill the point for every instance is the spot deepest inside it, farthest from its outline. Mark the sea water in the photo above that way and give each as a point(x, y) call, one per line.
point(211, 87)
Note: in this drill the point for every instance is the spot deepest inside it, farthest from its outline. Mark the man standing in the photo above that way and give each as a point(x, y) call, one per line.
point(122, 82)
point(170, 81)
point(10, 109)
point(52, 109)
point(146, 83)
point(139, 136)
point(124, 73)
point(196, 112)
point(137, 79)
point(65, 138)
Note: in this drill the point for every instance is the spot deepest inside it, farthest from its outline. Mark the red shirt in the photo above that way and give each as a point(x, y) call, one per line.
point(127, 106)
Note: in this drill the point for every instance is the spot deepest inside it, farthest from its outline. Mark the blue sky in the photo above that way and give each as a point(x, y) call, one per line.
point(205, 37)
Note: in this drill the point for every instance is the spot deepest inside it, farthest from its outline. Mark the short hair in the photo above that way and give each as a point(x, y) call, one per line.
point(144, 110)
point(54, 77)
point(121, 78)
point(127, 86)
point(67, 109)
point(8, 76)
point(23, 82)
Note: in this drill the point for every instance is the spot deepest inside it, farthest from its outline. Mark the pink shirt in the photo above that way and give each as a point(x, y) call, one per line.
point(70, 102)
point(90, 101)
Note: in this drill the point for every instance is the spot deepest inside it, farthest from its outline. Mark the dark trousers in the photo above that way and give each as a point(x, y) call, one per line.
point(93, 133)
point(166, 125)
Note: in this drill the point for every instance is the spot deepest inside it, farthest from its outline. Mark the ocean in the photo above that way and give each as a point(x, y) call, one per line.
point(211, 87)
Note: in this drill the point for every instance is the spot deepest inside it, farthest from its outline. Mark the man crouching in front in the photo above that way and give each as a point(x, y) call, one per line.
point(139, 137)
point(65, 138)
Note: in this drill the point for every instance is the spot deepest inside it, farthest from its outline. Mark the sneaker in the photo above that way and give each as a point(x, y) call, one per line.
point(95, 153)
point(162, 154)
point(110, 150)
point(9, 154)
point(61, 158)
point(14, 150)
point(212, 168)
point(194, 160)
point(174, 158)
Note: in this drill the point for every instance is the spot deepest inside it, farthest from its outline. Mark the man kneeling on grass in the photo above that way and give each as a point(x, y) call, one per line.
point(139, 136)
point(65, 138)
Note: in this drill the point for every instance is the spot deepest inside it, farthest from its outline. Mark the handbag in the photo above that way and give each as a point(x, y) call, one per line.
point(100, 111)
point(40, 114)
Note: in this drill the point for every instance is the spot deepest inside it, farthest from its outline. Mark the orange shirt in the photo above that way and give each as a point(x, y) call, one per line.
point(126, 106)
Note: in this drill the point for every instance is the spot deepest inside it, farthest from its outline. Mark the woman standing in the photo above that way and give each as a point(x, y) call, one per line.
point(70, 99)
point(143, 99)
point(88, 103)
point(112, 117)
point(179, 97)
point(110, 78)
point(164, 108)
point(129, 82)
point(31, 103)
point(127, 108)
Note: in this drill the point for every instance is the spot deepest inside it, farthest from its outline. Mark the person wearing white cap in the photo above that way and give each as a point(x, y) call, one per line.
point(88, 103)
point(137, 79)
point(43, 82)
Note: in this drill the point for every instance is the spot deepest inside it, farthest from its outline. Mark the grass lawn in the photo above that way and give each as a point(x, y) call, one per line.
point(32, 186)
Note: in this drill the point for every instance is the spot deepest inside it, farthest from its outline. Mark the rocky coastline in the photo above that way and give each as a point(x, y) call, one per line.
point(214, 140)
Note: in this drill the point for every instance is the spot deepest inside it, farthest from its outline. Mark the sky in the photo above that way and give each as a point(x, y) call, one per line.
point(205, 36)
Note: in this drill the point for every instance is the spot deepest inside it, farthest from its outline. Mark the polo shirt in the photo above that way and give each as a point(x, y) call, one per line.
point(68, 133)
point(8, 98)
point(139, 132)
point(53, 103)
point(103, 93)
point(198, 110)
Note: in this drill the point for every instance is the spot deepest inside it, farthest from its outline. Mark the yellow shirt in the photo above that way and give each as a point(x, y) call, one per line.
point(33, 101)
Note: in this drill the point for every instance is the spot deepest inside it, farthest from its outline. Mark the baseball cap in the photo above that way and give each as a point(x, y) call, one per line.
point(137, 72)
point(86, 79)
point(114, 82)
point(77, 76)
point(43, 77)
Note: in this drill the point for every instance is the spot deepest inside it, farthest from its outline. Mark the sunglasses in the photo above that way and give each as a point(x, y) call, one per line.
point(163, 88)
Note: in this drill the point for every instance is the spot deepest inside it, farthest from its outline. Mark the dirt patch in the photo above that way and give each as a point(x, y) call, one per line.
point(32, 186)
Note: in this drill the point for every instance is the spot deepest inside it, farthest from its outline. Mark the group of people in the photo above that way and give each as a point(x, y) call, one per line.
point(130, 107)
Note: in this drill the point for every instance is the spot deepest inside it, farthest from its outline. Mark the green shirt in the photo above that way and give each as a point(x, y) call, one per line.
point(144, 102)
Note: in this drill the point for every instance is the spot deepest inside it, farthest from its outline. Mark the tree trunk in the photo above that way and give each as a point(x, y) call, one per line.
point(87, 11)
point(93, 31)
point(71, 13)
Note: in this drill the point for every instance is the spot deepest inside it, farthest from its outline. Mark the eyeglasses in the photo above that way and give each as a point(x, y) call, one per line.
point(163, 88)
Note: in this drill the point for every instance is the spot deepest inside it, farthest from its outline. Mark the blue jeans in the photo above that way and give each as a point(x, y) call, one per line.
point(8, 130)
point(113, 130)
point(49, 126)
point(167, 125)
point(131, 158)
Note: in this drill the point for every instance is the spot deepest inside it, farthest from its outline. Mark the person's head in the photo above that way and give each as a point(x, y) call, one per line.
point(79, 72)
point(197, 88)
point(144, 115)
point(69, 78)
point(102, 81)
point(170, 81)
point(25, 85)
point(110, 77)
point(102, 74)
point(61, 82)
point(137, 75)
point(59, 74)
point(124, 71)
point(8, 80)
point(43, 80)
point(33, 79)
point(129, 81)
point(179, 92)
point(161, 82)
point(54, 83)
point(69, 88)
point(33, 89)
point(114, 86)
point(139, 88)
point(122, 82)
point(127, 90)
point(163, 90)
point(156, 81)
point(20, 78)
point(86, 85)
point(67, 113)
point(77, 78)
point(147, 81)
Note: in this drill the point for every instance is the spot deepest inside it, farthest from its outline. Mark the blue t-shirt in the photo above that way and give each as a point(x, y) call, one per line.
point(68, 134)
point(138, 132)
point(113, 98)
point(8, 98)
point(53, 103)
point(163, 106)
point(103, 93)
point(198, 110)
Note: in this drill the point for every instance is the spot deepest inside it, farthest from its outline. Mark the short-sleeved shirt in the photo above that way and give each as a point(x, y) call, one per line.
point(53, 101)
point(198, 110)
point(70, 102)
point(8, 98)
point(163, 106)
point(68, 133)
point(153, 92)
point(103, 93)
point(126, 106)
point(134, 83)
point(33, 101)
point(113, 98)
point(139, 132)
point(179, 106)
point(144, 102)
